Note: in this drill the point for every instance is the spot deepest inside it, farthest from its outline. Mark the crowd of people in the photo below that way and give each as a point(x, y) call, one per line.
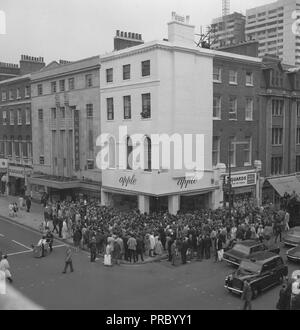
point(131, 236)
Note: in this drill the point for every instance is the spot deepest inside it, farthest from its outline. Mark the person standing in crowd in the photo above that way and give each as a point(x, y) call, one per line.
point(278, 231)
point(247, 295)
point(174, 252)
point(284, 298)
point(28, 204)
point(219, 249)
point(68, 260)
point(140, 248)
point(132, 248)
point(117, 252)
point(207, 245)
point(287, 221)
point(200, 247)
point(183, 249)
point(5, 268)
point(93, 249)
point(77, 236)
point(49, 239)
point(152, 245)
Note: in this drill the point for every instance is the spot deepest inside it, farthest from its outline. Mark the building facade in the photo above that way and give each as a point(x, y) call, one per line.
point(66, 124)
point(273, 26)
point(16, 129)
point(228, 30)
point(236, 82)
point(161, 87)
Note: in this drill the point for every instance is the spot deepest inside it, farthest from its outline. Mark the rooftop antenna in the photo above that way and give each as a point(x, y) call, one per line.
point(225, 7)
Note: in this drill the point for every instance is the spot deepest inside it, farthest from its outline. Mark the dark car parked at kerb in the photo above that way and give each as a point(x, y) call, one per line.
point(292, 237)
point(294, 254)
point(264, 270)
point(245, 250)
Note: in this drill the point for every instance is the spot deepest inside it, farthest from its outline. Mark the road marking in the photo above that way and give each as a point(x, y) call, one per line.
point(28, 248)
point(58, 246)
point(16, 253)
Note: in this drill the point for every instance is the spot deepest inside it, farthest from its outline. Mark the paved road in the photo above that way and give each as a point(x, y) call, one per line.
point(196, 285)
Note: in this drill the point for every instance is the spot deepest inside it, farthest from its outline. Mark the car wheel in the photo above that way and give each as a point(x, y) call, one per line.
point(255, 293)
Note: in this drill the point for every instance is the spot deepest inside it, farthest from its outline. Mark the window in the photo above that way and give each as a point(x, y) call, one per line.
point(90, 164)
point(217, 74)
point(53, 87)
point(146, 68)
point(297, 163)
point(53, 113)
point(4, 117)
point(298, 136)
point(40, 89)
point(42, 160)
point(27, 91)
point(146, 106)
point(277, 135)
point(3, 96)
point(89, 80)
point(89, 111)
point(62, 112)
point(276, 166)
point(248, 152)
point(18, 147)
point(129, 153)
point(18, 93)
point(40, 114)
point(71, 84)
point(249, 79)
point(127, 107)
point(109, 75)
point(110, 108)
point(19, 114)
point(27, 116)
point(249, 109)
point(277, 108)
point(232, 152)
point(10, 146)
point(61, 85)
point(216, 150)
point(12, 117)
point(126, 72)
point(233, 77)
point(10, 94)
point(232, 108)
point(217, 107)
point(65, 162)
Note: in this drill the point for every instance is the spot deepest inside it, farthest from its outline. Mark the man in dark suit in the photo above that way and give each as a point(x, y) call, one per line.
point(247, 295)
point(183, 249)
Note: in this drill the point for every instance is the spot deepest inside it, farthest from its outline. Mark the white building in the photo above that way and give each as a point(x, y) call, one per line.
point(161, 87)
point(272, 25)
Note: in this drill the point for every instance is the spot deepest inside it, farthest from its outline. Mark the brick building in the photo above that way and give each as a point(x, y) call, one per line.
point(15, 123)
point(235, 118)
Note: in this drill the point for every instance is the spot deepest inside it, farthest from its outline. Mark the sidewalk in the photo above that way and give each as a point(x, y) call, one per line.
point(34, 219)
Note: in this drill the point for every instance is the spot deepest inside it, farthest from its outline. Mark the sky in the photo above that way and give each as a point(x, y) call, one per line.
point(75, 29)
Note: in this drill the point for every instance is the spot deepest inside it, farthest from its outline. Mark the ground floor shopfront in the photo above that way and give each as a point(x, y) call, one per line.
point(59, 189)
point(149, 204)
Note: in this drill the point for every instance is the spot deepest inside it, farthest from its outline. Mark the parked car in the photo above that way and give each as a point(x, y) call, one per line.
point(292, 237)
point(245, 249)
point(294, 254)
point(264, 269)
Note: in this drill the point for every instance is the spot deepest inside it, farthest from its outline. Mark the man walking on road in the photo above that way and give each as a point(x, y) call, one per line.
point(247, 295)
point(5, 268)
point(68, 260)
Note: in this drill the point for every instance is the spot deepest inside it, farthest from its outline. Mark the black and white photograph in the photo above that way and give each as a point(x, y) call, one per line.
point(150, 157)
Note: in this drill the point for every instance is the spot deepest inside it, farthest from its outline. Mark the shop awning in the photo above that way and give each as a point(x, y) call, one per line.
point(284, 185)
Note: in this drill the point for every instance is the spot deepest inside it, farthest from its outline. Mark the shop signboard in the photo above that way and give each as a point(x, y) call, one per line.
point(242, 179)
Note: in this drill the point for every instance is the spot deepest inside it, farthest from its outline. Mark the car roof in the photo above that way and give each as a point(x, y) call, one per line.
point(249, 243)
point(263, 257)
